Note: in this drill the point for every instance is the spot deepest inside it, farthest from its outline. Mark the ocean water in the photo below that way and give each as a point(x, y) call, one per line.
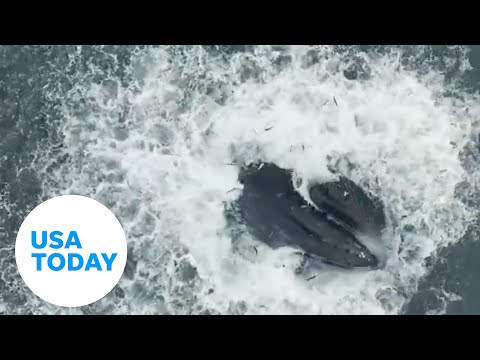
point(153, 132)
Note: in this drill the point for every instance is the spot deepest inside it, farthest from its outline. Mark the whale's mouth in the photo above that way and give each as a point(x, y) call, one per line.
point(330, 231)
point(335, 241)
point(365, 260)
point(358, 216)
point(350, 255)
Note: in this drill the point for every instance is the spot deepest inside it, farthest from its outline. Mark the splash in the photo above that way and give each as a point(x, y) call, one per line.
point(154, 139)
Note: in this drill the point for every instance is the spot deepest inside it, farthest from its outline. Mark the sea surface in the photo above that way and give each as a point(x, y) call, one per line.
point(154, 132)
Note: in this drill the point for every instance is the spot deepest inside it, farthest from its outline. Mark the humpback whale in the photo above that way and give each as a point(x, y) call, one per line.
point(332, 231)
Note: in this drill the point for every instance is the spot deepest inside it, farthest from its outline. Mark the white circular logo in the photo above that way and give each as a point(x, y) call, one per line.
point(71, 251)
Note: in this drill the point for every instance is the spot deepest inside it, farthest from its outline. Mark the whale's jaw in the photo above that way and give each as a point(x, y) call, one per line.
point(276, 214)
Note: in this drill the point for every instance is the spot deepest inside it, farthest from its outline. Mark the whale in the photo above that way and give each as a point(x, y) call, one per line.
point(335, 226)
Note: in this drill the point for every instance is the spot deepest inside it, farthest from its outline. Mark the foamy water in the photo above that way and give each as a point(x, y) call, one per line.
point(159, 151)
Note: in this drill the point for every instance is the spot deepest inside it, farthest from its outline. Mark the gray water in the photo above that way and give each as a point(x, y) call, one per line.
point(150, 131)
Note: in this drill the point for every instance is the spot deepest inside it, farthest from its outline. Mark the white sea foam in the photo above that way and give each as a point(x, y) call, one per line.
point(157, 154)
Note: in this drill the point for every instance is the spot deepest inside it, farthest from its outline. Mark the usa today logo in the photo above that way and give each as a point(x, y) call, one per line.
point(71, 251)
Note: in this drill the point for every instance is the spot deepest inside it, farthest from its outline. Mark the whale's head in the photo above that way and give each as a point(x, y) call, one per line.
point(343, 228)
point(359, 216)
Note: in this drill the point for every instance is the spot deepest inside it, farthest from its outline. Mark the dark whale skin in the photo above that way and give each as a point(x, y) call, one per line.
point(276, 214)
